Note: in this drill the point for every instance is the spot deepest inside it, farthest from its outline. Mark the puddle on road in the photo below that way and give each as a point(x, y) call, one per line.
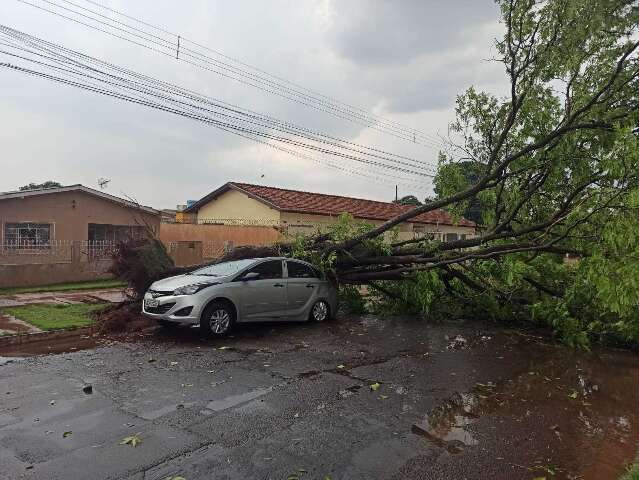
point(234, 400)
point(447, 425)
point(452, 436)
point(580, 409)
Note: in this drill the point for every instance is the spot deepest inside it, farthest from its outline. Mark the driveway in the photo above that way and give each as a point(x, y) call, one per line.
point(359, 398)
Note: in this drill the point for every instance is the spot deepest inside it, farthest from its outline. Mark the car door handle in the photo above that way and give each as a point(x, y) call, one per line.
point(310, 285)
point(278, 285)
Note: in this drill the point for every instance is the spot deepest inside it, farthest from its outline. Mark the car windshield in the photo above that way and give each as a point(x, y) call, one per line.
point(223, 269)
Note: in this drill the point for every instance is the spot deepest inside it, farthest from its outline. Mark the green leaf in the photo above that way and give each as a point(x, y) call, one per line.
point(67, 434)
point(133, 440)
point(375, 386)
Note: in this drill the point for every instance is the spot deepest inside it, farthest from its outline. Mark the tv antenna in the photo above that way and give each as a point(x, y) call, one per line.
point(103, 182)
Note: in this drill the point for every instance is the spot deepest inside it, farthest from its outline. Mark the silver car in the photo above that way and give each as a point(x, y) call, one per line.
point(251, 290)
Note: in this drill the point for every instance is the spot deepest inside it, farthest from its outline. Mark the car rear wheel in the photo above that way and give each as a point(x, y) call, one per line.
point(217, 319)
point(320, 311)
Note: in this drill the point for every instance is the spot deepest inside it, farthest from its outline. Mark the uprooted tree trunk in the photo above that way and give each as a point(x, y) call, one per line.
point(555, 171)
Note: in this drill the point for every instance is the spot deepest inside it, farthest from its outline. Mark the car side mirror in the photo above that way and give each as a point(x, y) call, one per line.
point(250, 276)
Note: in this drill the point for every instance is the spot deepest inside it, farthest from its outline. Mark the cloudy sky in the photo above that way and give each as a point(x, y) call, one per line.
point(405, 60)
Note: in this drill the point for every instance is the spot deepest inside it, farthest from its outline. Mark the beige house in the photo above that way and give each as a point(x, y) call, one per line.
point(305, 212)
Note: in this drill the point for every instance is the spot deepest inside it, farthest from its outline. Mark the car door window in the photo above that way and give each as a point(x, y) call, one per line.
point(299, 270)
point(268, 270)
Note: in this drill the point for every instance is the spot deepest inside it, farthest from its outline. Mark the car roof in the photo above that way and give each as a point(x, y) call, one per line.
point(278, 258)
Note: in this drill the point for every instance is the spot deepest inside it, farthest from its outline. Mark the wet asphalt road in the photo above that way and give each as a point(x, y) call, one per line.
point(295, 401)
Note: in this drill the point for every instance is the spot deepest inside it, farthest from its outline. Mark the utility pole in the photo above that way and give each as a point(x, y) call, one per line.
point(396, 197)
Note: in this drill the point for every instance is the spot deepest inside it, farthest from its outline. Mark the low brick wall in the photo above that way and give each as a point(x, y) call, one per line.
point(48, 273)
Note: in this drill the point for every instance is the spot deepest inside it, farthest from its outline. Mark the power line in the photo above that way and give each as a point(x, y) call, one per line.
point(252, 118)
point(274, 85)
point(414, 132)
point(144, 94)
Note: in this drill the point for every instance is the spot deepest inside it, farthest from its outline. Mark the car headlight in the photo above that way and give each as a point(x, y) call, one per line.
point(191, 289)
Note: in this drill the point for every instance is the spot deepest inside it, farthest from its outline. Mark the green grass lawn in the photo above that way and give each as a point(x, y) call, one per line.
point(54, 317)
point(64, 287)
point(633, 473)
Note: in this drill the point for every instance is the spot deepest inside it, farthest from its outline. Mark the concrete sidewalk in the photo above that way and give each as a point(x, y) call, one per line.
point(109, 295)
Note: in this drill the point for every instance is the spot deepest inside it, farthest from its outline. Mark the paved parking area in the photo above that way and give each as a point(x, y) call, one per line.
point(363, 397)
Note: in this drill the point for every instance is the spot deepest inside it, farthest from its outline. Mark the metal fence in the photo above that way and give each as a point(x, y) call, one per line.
point(55, 251)
point(98, 249)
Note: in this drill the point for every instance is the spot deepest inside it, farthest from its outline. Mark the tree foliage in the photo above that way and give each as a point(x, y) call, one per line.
point(37, 186)
point(555, 168)
point(408, 200)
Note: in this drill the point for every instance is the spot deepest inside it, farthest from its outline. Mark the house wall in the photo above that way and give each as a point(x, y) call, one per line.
point(306, 223)
point(70, 213)
point(233, 206)
point(215, 237)
point(237, 205)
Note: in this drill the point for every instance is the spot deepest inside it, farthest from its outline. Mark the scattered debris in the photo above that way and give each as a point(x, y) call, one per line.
point(457, 343)
point(133, 440)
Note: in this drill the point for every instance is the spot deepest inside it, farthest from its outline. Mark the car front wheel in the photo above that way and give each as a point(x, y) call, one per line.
point(320, 311)
point(217, 319)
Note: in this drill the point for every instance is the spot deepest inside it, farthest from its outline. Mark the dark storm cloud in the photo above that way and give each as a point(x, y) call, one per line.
point(393, 32)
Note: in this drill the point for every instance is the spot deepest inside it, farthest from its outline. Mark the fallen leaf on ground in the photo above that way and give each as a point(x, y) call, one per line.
point(341, 366)
point(223, 348)
point(375, 386)
point(173, 363)
point(383, 397)
point(573, 394)
point(67, 434)
point(132, 440)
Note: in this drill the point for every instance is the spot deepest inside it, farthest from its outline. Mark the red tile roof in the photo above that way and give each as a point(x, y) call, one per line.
point(321, 204)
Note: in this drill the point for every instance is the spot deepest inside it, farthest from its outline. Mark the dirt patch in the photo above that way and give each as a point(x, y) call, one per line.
point(122, 318)
point(66, 344)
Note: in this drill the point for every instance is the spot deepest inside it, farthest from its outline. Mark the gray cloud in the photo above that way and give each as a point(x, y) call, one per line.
point(389, 32)
point(405, 60)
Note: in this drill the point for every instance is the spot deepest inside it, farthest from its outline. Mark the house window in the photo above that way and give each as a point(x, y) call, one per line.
point(451, 237)
point(99, 232)
point(27, 235)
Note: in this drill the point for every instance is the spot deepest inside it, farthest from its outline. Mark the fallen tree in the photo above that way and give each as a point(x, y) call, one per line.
point(555, 172)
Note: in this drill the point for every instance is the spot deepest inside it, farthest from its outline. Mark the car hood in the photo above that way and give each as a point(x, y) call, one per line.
point(171, 283)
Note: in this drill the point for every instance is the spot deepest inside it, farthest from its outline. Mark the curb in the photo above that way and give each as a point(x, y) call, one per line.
point(42, 336)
